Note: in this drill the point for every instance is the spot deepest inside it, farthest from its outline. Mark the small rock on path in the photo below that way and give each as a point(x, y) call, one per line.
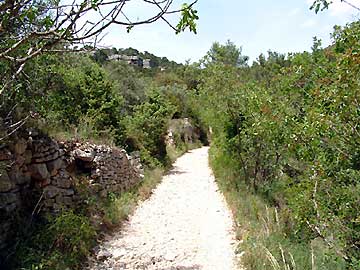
point(184, 225)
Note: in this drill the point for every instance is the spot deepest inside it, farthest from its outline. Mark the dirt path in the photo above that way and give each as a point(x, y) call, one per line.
point(184, 225)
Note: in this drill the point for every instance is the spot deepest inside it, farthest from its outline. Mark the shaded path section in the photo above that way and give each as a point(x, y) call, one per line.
point(185, 224)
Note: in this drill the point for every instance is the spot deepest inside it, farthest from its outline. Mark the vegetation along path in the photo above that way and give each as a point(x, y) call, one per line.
point(185, 224)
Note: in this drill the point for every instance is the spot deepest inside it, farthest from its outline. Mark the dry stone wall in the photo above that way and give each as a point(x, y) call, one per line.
point(39, 174)
point(182, 127)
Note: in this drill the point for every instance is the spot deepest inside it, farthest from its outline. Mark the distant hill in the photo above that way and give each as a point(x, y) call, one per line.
point(164, 62)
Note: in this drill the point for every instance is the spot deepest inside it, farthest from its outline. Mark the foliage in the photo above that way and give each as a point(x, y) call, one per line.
point(263, 230)
point(188, 19)
point(290, 126)
point(128, 83)
point(227, 54)
point(147, 127)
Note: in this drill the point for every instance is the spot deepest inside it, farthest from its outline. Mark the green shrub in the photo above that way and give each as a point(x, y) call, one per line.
point(60, 243)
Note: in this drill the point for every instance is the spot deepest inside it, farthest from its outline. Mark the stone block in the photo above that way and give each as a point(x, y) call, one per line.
point(7, 198)
point(64, 200)
point(51, 191)
point(39, 171)
point(67, 192)
point(20, 160)
point(49, 203)
point(96, 187)
point(10, 207)
point(53, 156)
point(43, 183)
point(17, 176)
point(5, 154)
point(5, 182)
point(62, 182)
point(53, 166)
point(103, 193)
point(20, 146)
point(28, 156)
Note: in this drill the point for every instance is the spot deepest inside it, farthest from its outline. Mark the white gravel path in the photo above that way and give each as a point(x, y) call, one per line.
point(185, 224)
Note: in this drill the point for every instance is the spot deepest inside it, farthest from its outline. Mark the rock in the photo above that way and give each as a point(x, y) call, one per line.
point(11, 207)
point(67, 192)
point(33, 132)
point(28, 156)
point(23, 178)
point(103, 255)
point(18, 177)
point(5, 183)
point(20, 147)
point(53, 156)
point(39, 171)
point(53, 166)
point(49, 203)
point(62, 182)
point(7, 198)
point(61, 152)
point(103, 193)
point(20, 160)
point(51, 191)
point(96, 187)
point(43, 183)
point(119, 253)
point(57, 207)
point(5, 154)
point(86, 156)
point(64, 200)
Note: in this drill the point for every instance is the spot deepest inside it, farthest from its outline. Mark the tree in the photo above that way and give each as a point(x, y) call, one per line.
point(227, 54)
point(100, 56)
point(31, 27)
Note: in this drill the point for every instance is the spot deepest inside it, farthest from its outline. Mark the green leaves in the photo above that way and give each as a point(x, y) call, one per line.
point(291, 126)
point(188, 19)
point(320, 5)
point(227, 54)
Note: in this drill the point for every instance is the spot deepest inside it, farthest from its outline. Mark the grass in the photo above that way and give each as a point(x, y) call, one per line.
point(119, 207)
point(84, 131)
point(264, 231)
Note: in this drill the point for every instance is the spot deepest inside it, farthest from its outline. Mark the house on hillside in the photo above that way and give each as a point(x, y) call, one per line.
point(133, 60)
point(115, 57)
point(148, 63)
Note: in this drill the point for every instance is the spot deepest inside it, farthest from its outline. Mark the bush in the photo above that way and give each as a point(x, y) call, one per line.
point(290, 128)
point(60, 243)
